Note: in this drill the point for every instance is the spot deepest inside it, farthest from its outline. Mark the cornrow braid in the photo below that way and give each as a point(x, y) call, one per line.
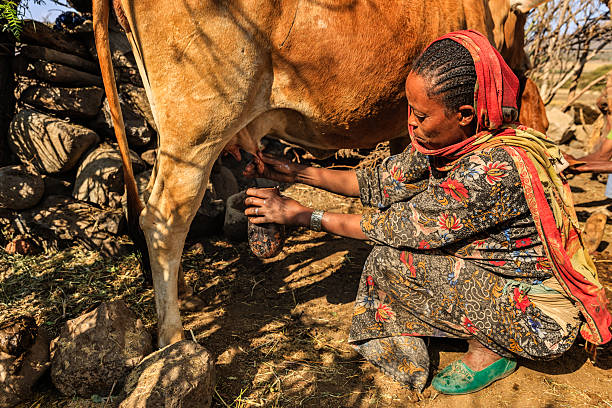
point(449, 69)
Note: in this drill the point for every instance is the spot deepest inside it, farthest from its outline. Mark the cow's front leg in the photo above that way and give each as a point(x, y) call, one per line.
point(177, 193)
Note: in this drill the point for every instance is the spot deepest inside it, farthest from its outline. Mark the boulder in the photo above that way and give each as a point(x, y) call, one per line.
point(59, 222)
point(584, 114)
point(99, 178)
point(19, 374)
point(224, 183)
point(19, 189)
point(22, 246)
point(137, 130)
point(596, 136)
point(57, 73)
point(136, 97)
point(142, 181)
point(73, 102)
point(235, 223)
point(98, 349)
point(35, 32)
point(17, 335)
point(149, 156)
point(582, 133)
point(55, 186)
point(124, 64)
point(50, 145)
point(180, 375)
point(560, 125)
point(23, 82)
point(51, 55)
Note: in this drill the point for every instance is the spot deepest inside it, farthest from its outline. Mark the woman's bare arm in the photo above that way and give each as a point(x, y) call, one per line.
point(343, 182)
point(266, 205)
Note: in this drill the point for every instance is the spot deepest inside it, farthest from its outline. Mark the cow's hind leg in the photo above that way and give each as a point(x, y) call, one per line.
point(182, 175)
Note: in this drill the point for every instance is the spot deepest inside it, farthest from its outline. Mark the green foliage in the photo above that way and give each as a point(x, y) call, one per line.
point(11, 14)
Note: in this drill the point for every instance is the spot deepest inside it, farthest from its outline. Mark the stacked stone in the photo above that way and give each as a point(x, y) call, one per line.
point(62, 180)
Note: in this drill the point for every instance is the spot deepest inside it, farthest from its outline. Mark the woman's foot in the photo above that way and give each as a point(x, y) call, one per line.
point(479, 357)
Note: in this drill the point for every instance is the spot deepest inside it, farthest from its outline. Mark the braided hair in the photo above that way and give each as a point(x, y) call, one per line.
point(449, 70)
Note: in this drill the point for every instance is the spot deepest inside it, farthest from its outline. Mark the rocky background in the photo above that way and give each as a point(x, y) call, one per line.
point(62, 181)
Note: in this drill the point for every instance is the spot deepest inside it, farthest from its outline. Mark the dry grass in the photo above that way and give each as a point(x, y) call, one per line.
point(58, 286)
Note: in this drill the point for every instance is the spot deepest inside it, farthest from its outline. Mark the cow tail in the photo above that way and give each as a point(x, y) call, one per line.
point(135, 206)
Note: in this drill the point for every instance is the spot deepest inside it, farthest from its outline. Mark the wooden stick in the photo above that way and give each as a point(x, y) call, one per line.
point(582, 92)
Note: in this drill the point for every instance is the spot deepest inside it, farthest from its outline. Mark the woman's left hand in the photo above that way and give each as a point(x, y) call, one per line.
point(267, 205)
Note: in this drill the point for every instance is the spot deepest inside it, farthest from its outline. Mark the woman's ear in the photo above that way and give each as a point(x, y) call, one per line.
point(467, 115)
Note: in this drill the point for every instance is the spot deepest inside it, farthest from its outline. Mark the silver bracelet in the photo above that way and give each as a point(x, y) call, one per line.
point(315, 220)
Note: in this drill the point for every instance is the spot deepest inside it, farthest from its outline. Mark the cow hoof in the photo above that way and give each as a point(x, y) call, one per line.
point(191, 303)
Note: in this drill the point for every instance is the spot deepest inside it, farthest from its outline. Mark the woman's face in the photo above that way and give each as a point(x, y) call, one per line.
point(434, 127)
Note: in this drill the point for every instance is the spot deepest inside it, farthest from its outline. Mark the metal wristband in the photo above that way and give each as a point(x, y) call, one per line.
point(315, 220)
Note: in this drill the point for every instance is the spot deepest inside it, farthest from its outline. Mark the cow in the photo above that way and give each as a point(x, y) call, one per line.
point(325, 74)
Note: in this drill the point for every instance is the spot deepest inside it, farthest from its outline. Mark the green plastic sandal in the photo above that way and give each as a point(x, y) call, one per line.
point(457, 378)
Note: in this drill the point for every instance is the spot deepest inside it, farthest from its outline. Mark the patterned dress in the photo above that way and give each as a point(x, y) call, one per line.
point(456, 254)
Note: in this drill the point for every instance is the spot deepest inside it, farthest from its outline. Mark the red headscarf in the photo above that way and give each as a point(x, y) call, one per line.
point(495, 94)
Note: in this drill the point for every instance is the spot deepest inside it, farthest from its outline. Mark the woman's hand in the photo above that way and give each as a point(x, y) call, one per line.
point(267, 205)
point(273, 168)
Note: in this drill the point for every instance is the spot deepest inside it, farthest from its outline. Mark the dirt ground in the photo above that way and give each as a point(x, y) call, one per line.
point(279, 327)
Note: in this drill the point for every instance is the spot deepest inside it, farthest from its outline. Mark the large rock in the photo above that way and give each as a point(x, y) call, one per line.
point(48, 144)
point(596, 136)
point(19, 374)
point(17, 335)
point(99, 178)
point(51, 55)
point(561, 125)
point(137, 130)
point(136, 97)
point(582, 133)
point(235, 223)
point(35, 32)
point(59, 222)
point(178, 376)
point(55, 186)
point(19, 189)
point(55, 73)
point(224, 183)
point(124, 64)
point(98, 349)
point(73, 102)
point(584, 114)
point(149, 157)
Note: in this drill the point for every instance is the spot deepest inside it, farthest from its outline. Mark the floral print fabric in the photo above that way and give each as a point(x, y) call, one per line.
point(456, 253)
point(403, 358)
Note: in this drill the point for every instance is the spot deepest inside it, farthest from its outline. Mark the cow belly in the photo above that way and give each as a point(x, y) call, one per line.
point(294, 127)
point(344, 68)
